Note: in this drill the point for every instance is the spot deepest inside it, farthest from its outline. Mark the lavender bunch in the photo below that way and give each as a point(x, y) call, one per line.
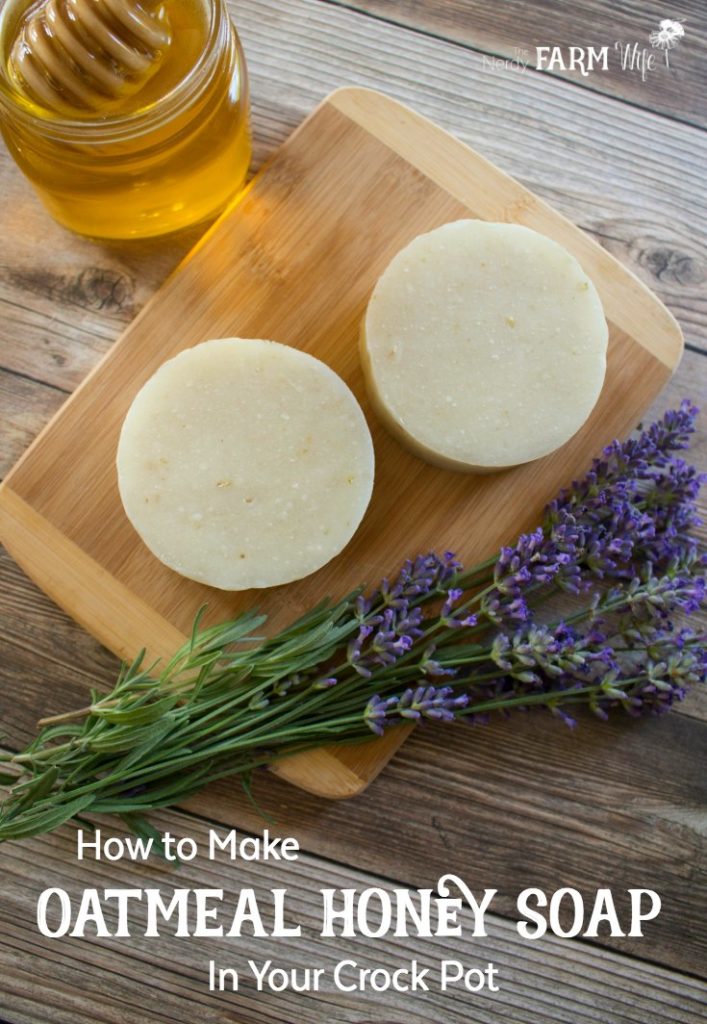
point(438, 643)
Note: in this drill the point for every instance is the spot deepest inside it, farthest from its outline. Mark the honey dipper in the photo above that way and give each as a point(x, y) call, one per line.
point(84, 54)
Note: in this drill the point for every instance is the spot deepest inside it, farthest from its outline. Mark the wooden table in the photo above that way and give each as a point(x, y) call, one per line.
point(509, 806)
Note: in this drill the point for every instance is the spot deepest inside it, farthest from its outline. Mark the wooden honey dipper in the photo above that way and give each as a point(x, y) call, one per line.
point(83, 54)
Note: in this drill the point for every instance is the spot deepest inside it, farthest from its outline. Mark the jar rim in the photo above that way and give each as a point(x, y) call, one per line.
point(124, 124)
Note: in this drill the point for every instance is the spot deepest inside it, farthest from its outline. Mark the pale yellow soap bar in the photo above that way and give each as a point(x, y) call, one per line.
point(245, 463)
point(484, 345)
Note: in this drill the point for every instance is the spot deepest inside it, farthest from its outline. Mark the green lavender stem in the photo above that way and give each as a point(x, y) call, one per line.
point(230, 701)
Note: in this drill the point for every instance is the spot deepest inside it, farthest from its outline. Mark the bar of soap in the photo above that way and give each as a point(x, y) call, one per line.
point(484, 345)
point(245, 463)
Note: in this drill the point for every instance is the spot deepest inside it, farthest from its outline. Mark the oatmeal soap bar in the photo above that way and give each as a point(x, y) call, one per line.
point(245, 463)
point(484, 345)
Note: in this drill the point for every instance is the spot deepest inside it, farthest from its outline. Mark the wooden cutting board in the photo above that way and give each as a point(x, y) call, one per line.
point(295, 260)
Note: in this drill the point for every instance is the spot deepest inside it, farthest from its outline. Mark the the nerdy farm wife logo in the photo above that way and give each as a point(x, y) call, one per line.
point(633, 56)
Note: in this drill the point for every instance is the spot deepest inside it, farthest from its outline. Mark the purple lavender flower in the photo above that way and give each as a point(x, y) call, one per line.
point(621, 539)
point(656, 597)
point(499, 610)
point(532, 560)
point(671, 433)
point(439, 704)
point(627, 522)
point(376, 713)
point(651, 686)
point(385, 638)
point(325, 683)
point(637, 502)
point(454, 596)
point(538, 558)
point(410, 621)
point(432, 667)
point(563, 715)
point(362, 607)
point(355, 651)
point(539, 658)
point(425, 575)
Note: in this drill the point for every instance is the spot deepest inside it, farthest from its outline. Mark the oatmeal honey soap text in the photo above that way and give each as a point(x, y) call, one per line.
point(130, 119)
point(245, 463)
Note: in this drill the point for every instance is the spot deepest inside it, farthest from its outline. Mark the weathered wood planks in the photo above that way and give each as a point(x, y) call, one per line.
point(91, 981)
point(360, 178)
point(511, 30)
point(640, 193)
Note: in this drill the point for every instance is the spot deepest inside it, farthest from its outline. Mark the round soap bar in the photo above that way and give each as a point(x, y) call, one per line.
point(484, 345)
point(245, 463)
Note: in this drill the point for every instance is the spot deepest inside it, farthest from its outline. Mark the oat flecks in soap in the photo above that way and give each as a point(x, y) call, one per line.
point(484, 345)
point(245, 463)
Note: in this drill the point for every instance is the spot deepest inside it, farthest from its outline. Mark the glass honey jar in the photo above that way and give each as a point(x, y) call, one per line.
point(152, 161)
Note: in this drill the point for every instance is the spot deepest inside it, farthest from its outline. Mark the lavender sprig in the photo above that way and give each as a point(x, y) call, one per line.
point(437, 643)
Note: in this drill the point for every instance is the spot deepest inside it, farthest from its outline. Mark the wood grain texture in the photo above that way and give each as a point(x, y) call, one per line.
point(25, 404)
point(123, 982)
point(620, 806)
point(525, 802)
point(512, 29)
point(631, 178)
point(358, 180)
point(634, 180)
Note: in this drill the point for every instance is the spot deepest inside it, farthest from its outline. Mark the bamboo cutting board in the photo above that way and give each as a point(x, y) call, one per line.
point(295, 260)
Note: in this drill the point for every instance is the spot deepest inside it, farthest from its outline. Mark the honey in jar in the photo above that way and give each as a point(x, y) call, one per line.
point(125, 132)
